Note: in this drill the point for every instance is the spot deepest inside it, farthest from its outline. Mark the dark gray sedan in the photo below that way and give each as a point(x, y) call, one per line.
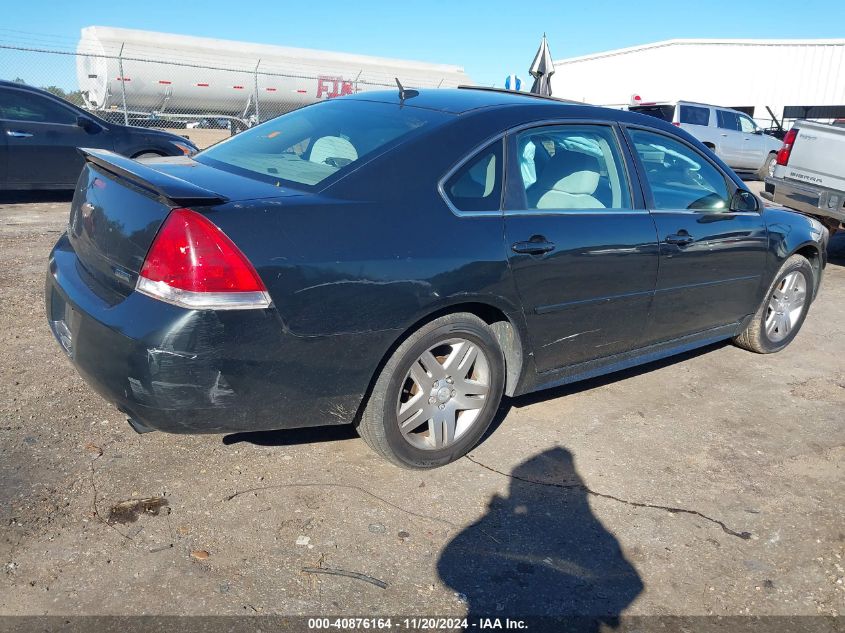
point(40, 135)
point(401, 261)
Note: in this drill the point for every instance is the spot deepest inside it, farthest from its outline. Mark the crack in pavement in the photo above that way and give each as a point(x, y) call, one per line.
point(95, 510)
point(637, 504)
point(359, 489)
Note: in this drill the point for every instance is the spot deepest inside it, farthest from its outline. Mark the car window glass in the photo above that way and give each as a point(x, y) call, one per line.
point(19, 105)
point(572, 167)
point(664, 112)
point(477, 185)
point(746, 124)
point(309, 145)
point(727, 120)
point(695, 115)
point(680, 177)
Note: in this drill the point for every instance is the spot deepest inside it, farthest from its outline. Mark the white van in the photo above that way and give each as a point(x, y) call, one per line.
point(731, 134)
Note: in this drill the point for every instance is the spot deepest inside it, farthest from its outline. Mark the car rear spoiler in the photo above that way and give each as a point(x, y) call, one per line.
point(179, 192)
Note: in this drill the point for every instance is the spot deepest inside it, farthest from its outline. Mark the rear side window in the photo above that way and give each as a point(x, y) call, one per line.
point(727, 120)
point(19, 105)
point(663, 112)
point(312, 144)
point(695, 115)
point(679, 177)
point(572, 167)
point(477, 184)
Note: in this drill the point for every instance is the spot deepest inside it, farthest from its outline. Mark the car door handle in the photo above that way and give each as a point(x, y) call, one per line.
point(533, 247)
point(17, 134)
point(681, 239)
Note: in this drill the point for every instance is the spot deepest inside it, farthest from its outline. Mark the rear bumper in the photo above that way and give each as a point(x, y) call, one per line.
point(192, 371)
point(807, 198)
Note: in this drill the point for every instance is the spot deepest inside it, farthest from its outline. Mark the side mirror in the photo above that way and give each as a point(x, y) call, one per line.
point(87, 124)
point(745, 202)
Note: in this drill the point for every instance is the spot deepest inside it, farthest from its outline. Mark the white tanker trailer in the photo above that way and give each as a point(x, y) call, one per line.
point(167, 75)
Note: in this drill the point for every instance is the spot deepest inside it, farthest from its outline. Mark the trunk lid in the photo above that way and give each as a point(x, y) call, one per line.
point(120, 204)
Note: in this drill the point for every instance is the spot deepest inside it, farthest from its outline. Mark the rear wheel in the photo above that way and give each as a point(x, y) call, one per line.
point(783, 310)
point(768, 168)
point(437, 394)
point(147, 155)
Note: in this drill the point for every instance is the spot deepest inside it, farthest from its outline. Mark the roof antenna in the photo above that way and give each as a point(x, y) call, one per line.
point(403, 92)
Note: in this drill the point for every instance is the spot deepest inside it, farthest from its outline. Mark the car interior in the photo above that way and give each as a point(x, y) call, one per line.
point(568, 181)
point(566, 171)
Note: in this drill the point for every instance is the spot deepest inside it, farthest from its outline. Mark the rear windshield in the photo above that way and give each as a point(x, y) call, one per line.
point(308, 146)
point(665, 112)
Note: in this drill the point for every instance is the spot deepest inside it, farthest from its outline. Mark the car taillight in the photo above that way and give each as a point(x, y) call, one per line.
point(786, 148)
point(193, 264)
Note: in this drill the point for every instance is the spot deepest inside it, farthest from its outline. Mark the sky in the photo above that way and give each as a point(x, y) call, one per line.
point(489, 39)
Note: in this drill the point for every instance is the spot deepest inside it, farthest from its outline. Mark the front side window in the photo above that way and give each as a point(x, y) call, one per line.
point(747, 124)
point(695, 115)
point(680, 177)
point(477, 184)
point(572, 167)
point(19, 105)
point(727, 120)
point(312, 144)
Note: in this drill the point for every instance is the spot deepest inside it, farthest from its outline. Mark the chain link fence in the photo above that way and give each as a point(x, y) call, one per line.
point(166, 89)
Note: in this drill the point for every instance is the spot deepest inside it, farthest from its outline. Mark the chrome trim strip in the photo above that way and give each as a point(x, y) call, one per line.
point(251, 300)
point(611, 212)
point(702, 212)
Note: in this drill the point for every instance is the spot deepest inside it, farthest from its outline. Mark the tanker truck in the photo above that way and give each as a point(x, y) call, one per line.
point(179, 80)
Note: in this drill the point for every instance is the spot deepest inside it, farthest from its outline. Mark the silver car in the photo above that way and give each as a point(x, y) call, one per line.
point(731, 134)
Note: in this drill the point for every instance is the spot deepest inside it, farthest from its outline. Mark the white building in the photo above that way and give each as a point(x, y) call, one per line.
point(788, 76)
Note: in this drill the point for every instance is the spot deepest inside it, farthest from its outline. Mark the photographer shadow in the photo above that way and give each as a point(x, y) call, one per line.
point(541, 554)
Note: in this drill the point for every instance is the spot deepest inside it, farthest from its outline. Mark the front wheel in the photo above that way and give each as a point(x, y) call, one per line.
point(783, 310)
point(437, 393)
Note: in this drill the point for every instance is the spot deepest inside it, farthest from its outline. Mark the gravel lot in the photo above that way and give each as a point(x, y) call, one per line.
point(708, 484)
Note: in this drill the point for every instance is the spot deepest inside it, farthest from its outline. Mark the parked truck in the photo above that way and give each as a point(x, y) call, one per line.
point(809, 174)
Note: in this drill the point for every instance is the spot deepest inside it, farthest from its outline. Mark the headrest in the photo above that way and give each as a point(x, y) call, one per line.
point(332, 147)
point(571, 172)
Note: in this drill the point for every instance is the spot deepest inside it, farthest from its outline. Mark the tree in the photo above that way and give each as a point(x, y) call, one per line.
point(75, 96)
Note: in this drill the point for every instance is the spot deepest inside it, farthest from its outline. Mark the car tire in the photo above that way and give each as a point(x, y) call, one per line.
point(768, 165)
point(783, 310)
point(457, 357)
point(147, 155)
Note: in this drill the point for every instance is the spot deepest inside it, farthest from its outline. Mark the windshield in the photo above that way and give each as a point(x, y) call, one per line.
point(308, 146)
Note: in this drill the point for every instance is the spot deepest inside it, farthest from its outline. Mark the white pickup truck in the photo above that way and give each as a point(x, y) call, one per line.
point(810, 172)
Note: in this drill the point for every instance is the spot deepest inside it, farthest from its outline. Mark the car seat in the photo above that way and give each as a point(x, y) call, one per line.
point(568, 182)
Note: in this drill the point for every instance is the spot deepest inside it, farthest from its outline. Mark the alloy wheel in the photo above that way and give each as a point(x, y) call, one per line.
point(785, 306)
point(443, 394)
